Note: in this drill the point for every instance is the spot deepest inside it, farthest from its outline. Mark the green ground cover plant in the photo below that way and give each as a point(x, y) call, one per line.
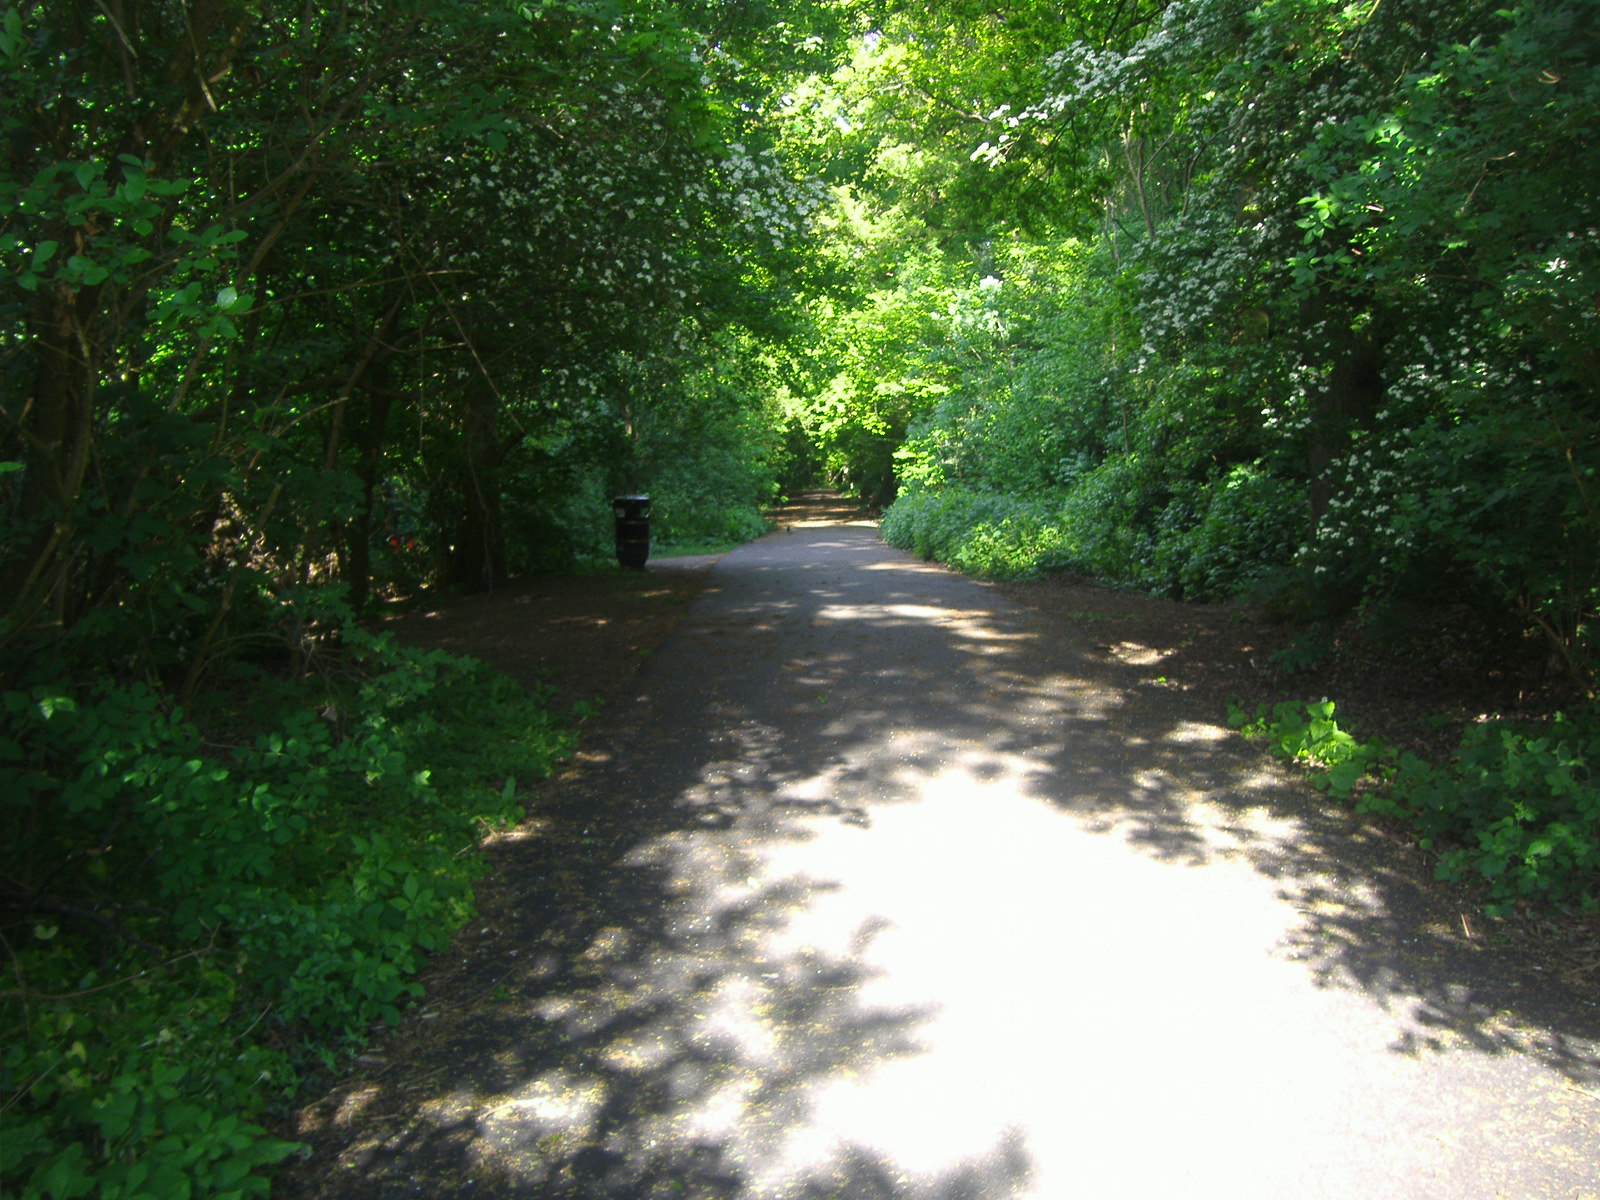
point(1515, 810)
point(226, 901)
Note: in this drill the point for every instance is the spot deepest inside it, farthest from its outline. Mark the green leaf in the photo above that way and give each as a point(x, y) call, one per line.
point(11, 39)
point(63, 1177)
point(115, 1114)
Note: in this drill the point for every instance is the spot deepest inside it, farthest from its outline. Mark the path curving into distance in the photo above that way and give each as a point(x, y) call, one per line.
point(876, 885)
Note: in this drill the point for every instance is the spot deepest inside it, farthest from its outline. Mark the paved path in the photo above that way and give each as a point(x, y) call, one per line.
point(900, 893)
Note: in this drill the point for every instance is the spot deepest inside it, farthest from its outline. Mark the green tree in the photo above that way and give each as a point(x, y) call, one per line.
point(1334, 223)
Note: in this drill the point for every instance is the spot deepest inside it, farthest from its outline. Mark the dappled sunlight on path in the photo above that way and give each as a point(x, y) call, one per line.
point(886, 889)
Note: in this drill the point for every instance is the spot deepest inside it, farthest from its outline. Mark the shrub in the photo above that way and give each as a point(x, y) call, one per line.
point(1517, 809)
point(981, 533)
point(1105, 521)
point(1240, 527)
point(201, 914)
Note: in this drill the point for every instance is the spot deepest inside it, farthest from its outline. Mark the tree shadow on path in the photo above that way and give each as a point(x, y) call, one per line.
point(876, 885)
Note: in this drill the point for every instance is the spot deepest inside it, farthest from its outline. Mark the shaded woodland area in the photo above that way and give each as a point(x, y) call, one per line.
point(306, 307)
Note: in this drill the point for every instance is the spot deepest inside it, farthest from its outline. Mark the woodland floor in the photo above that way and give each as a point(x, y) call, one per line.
point(1412, 677)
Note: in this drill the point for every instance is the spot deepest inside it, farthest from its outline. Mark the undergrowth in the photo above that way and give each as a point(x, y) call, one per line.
point(1113, 523)
point(1516, 809)
point(201, 910)
point(981, 533)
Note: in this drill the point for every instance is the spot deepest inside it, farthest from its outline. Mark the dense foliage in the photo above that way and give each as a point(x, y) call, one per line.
point(304, 305)
point(215, 903)
point(299, 305)
point(1294, 301)
point(1516, 811)
point(321, 275)
point(1316, 311)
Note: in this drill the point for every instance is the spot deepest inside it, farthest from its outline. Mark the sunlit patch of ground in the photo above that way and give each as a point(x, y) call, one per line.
point(1058, 1013)
point(913, 921)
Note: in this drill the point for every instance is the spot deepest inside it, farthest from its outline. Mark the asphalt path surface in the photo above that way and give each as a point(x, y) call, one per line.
point(896, 890)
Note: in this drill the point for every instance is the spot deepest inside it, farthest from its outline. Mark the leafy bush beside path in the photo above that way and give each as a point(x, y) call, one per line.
point(202, 909)
point(1516, 809)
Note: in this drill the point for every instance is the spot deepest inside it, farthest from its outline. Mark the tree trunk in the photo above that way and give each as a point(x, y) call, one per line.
point(478, 551)
point(369, 441)
point(54, 434)
point(1352, 396)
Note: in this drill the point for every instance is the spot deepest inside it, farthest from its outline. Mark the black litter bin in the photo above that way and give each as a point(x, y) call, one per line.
point(633, 530)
